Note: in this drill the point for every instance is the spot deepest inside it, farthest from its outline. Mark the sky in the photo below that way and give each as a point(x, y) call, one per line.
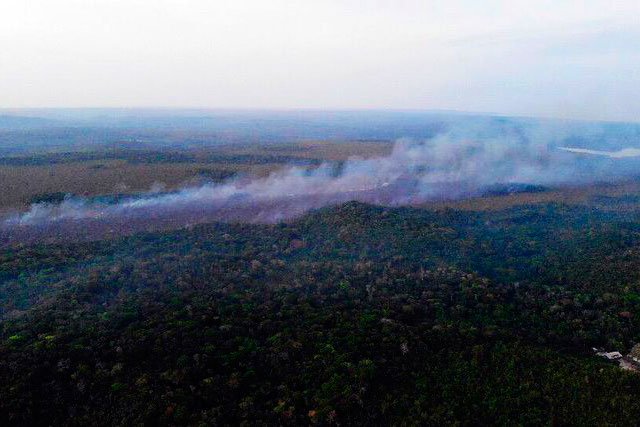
point(561, 58)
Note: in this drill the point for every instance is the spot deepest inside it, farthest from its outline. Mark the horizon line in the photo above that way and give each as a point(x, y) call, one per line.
point(15, 110)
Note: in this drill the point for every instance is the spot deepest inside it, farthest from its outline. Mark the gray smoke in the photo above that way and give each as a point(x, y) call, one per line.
point(447, 166)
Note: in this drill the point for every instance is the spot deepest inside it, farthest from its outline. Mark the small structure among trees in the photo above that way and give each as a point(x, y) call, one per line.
point(629, 362)
point(611, 355)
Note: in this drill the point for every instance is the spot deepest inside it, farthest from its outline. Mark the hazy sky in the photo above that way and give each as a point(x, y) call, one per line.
point(556, 58)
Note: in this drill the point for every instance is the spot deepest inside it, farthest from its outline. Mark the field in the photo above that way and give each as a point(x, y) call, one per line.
point(606, 197)
point(26, 178)
point(29, 178)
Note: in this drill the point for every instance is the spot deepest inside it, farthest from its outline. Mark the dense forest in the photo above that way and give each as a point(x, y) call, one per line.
point(351, 314)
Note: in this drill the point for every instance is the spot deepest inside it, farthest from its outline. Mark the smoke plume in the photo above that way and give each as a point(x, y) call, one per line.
point(443, 167)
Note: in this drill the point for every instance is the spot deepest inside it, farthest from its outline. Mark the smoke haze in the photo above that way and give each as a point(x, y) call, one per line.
point(448, 166)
